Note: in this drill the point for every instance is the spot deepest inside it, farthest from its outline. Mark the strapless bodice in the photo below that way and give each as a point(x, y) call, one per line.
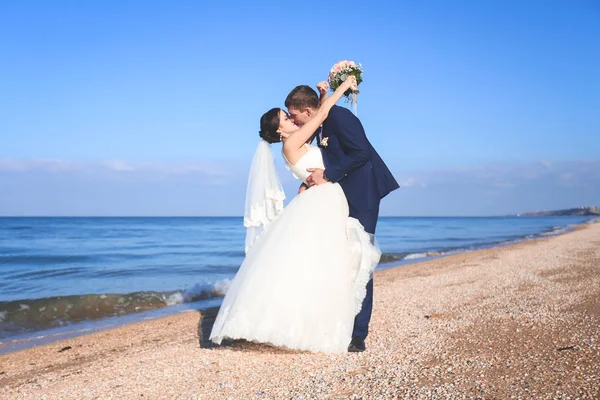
point(312, 159)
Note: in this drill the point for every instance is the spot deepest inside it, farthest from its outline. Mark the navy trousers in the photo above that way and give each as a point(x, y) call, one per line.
point(368, 219)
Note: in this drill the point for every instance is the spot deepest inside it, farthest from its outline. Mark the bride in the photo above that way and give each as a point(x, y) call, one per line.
point(306, 267)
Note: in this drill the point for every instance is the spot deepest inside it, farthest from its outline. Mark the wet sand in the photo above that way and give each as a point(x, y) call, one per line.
point(514, 322)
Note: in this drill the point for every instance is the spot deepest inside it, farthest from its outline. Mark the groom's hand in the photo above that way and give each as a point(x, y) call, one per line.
point(316, 177)
point(302, 188)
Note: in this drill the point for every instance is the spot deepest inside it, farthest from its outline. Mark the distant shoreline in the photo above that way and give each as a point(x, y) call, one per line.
point(570, 212)
point(241, 217)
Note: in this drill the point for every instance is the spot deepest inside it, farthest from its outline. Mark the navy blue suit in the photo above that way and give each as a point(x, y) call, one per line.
point(351, 161)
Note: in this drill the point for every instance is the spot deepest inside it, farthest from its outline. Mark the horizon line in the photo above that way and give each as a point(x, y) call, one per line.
point(241, 216)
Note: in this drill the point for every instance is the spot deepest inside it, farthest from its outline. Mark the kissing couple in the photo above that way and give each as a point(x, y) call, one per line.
point(306, 282)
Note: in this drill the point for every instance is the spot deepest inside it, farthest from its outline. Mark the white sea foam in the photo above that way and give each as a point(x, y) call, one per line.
point(415, 256)
point(2, 315)
point(207, 290)
point(175, 298)
point(222, 287)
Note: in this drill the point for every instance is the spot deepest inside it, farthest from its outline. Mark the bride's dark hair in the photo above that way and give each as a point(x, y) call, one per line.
point(269, 124)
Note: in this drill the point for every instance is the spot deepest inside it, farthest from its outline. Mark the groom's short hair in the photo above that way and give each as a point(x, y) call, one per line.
point(301, 97)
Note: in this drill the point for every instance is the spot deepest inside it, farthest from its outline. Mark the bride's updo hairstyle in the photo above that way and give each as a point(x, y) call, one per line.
point(269, 124)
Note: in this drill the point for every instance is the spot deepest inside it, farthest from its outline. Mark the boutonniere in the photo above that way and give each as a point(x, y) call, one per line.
point(324, 141)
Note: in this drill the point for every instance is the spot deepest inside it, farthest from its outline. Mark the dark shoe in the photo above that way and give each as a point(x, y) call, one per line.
point(357, 345)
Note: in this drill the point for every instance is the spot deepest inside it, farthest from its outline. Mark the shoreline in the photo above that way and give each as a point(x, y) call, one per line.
point(465, 325)
point(48, 336)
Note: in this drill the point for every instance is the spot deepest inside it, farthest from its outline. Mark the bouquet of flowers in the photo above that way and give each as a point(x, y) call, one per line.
point(338, 74)
point(340, 71)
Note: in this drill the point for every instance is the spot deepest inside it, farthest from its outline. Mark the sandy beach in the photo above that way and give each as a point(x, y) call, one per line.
point(514, 322)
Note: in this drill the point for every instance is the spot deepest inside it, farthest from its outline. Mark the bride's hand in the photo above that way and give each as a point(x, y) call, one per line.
point(323, 87)
point(351, 83)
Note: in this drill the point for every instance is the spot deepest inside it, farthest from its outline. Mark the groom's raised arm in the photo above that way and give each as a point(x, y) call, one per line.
point(353, 141)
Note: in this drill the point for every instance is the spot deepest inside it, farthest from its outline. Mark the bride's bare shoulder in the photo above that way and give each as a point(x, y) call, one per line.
point(292, 155)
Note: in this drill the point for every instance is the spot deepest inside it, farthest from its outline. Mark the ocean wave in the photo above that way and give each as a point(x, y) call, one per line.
point(483, 244)
point(34, 259)
point(394, 257)
point(42, 274)
point(555, 230)
point(391, 257)
point(416, 256)
point(32, 315)
point(19, 228)
point(446, 251)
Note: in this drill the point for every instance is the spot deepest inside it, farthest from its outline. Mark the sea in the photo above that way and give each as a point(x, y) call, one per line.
point(60, 277)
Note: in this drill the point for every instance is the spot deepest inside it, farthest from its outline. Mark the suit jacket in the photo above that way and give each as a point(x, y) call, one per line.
point(351, 161)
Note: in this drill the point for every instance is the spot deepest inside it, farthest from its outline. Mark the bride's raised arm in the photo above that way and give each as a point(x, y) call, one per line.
point(297, 139)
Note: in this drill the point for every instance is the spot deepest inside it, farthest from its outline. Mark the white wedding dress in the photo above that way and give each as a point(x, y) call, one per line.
point(304, 278)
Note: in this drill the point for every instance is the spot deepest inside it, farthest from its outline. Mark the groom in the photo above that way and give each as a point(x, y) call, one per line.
point(351, 161)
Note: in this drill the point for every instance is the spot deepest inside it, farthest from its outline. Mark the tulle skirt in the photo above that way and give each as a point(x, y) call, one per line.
point(304, 279)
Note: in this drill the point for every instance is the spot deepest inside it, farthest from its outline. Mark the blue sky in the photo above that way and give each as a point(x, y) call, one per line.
point(152, 108)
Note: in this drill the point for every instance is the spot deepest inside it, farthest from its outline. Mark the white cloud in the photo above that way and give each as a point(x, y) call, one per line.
point(205, 169)
point(117, 187)
point(504, 185)
point(496, 176)
point(213, 174)
point(118, 165)
point(46, 164)
point(509, 176)
point(115, 166)
point(410, 182)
